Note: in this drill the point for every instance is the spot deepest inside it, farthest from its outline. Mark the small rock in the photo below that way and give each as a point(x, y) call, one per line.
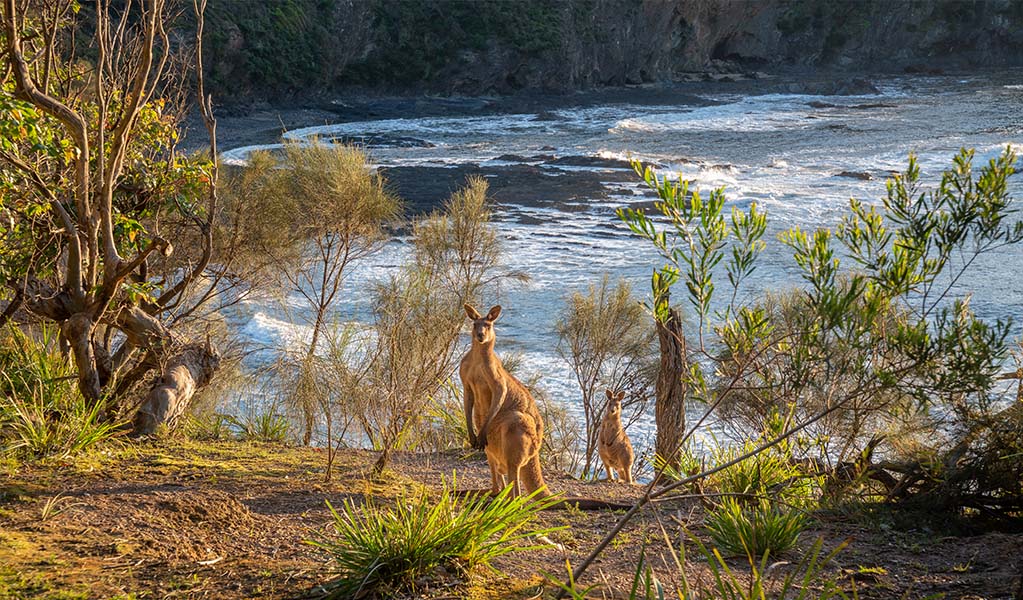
point(872, 105)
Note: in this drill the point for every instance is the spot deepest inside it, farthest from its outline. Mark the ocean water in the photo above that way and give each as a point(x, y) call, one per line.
point(787, 153)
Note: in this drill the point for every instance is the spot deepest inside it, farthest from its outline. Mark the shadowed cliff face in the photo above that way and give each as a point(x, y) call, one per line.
point(283, 47)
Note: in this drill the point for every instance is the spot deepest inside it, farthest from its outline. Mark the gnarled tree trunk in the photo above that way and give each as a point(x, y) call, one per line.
point(189, 367)
point(85, 294)
point(185, 367)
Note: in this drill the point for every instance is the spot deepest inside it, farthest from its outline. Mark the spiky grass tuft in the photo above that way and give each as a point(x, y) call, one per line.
point(376, 548)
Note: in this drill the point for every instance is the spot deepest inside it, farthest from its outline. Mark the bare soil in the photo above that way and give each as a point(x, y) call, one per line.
point(183, 519)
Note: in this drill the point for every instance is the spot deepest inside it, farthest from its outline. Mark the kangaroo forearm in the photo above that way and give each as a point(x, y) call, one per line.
point(467, 408)
point(495, 407)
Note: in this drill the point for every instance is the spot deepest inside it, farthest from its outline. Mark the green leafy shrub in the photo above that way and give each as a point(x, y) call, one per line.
point(877, 346)
point(769, 475)
point(375, 548)
point(42, 412)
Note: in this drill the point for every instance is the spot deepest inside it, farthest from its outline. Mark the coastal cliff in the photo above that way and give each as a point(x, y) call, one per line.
point(486, 47)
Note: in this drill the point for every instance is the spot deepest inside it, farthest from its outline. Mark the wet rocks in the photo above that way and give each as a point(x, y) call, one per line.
point(856, 86)
point(861, 175)
point(425, 188)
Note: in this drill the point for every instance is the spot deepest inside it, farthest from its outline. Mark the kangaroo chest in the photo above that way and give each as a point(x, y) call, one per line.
point(610, 432)
point(479, 373)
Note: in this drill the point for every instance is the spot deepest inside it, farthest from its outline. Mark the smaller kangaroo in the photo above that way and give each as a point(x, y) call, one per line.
point(613, 444)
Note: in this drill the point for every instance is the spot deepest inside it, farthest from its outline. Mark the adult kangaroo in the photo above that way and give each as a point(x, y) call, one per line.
point(502, 418)
point(500, 413)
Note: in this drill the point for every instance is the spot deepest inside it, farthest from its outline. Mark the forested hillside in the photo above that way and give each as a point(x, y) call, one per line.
point(286, 47)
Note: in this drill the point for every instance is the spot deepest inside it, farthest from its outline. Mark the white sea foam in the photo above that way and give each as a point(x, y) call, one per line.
point(763, 149)
point(755, 114)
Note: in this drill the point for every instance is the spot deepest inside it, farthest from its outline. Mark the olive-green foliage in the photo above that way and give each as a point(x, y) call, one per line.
point(266, 426)
point(417, 319)
point(286, 45)
point(42, 413)
point(838, 21)
point(156, 183)
point(321, 208)
point(445, 426)
point(827, 28)
point(416, 326)
point(876, 330)
point(208, 427)
point(377, 549)
point(608, 341)
point(763, 499)
point(458, 246)
point(768, 475)
point(311, 192)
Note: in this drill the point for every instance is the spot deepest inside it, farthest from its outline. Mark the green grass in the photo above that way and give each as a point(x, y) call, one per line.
point(269, 426)
point(808, 580)
point(42, 412)
point(755, 530)
point(14, 584)
point(767, 474)
point(374, 548)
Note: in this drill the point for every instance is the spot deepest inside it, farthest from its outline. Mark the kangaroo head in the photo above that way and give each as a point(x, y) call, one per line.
point(614, 402)
point(483, 326)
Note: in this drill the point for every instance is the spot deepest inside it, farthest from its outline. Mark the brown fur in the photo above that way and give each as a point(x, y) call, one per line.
point(501, 416)
point(613, 444)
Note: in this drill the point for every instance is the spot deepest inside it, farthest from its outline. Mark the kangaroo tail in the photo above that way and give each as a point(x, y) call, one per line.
point(532, 480)
point(532, 477)
point(579, 503)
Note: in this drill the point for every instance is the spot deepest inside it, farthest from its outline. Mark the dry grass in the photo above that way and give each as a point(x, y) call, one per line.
point(179, 519)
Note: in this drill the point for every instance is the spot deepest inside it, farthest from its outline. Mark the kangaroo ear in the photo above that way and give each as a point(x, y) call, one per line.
point(472, 312)
point(620, 396)
point(494, 313)
point(610, 394)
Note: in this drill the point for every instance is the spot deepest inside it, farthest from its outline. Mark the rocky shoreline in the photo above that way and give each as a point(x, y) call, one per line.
point(522, 179)
point(423, 188)
point(263, 123)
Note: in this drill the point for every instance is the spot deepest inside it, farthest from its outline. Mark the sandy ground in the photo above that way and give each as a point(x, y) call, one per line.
point(230, 520)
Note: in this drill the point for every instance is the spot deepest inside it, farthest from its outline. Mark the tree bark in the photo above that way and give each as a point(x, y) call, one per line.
point(12, 307)
point(77, 330)
point(189, 367)
point(186, 367)
point(671, 389)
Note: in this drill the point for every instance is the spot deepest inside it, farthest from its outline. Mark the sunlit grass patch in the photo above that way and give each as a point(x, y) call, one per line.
point(375, 547)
